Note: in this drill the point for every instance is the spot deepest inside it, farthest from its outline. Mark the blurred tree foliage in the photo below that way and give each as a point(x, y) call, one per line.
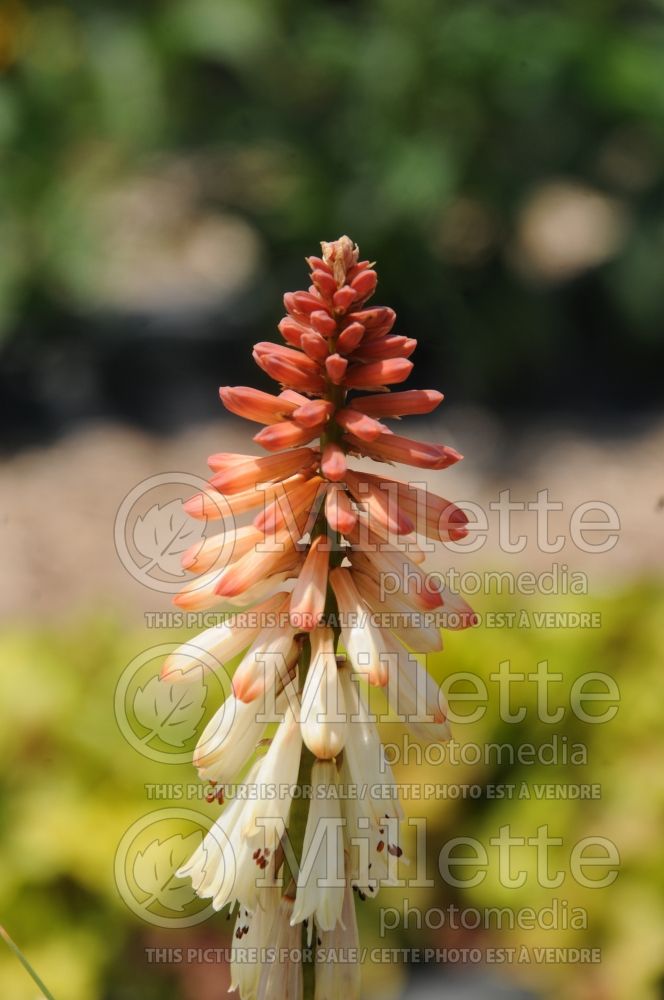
point(501, 159)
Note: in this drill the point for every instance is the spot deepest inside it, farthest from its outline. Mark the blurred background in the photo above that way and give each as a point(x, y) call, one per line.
point(166, 166)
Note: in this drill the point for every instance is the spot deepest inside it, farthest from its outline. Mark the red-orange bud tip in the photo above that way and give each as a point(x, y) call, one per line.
point(344, 298)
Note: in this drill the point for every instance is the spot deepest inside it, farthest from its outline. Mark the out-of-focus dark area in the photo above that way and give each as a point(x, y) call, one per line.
point(166, 165)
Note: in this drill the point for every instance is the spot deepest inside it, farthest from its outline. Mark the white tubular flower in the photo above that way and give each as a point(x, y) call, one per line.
point(364, 755)
point(324, 724)
point(217, 645)
point(339, 978)
point(399, 617)
point(320, 883)
point(414, 695)
point(252, 930)
point(203, 592)
point(308, 597)
point(282, 978)
point(386, 564)
point(212, 867)
point(270, 586)
point(229, 740)
point(267, 817)
point(363, 642)
point(370, 532)
point(271, 657)
point(234, 731)
point(237, 856)
point(372, 844)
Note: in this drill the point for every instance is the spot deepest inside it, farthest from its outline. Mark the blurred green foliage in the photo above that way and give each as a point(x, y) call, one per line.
point(425, 130)
point(72, 786)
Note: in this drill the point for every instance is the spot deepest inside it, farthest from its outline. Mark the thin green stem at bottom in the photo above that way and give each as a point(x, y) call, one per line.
point(25, 963)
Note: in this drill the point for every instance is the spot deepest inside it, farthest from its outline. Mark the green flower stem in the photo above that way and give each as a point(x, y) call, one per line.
point(24, 962)
point(333, 432)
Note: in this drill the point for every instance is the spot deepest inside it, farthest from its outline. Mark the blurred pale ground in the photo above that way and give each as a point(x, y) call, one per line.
point(165, 167)
point(61, 502)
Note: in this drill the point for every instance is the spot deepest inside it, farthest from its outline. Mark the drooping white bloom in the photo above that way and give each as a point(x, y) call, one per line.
point(229, 739)
point(212, 867)
point(364, 755)
point(370, 534)
point(217, 645)
point(414, 695)
point(282, 977)
point(252, 931)
point(324, 723)
point(308, 597)
point(269, 586)
point(337, 956)
point(271, 657)
point(371, 844)
point(203, 592)
point(404, 620)
point(320, 882)
point(236, 858)
point(371, 806)
point(267, 815)
point(415, 586)
point(363, 642)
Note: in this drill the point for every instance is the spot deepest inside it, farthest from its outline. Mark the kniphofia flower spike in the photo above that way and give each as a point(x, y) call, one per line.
point(316, 625)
